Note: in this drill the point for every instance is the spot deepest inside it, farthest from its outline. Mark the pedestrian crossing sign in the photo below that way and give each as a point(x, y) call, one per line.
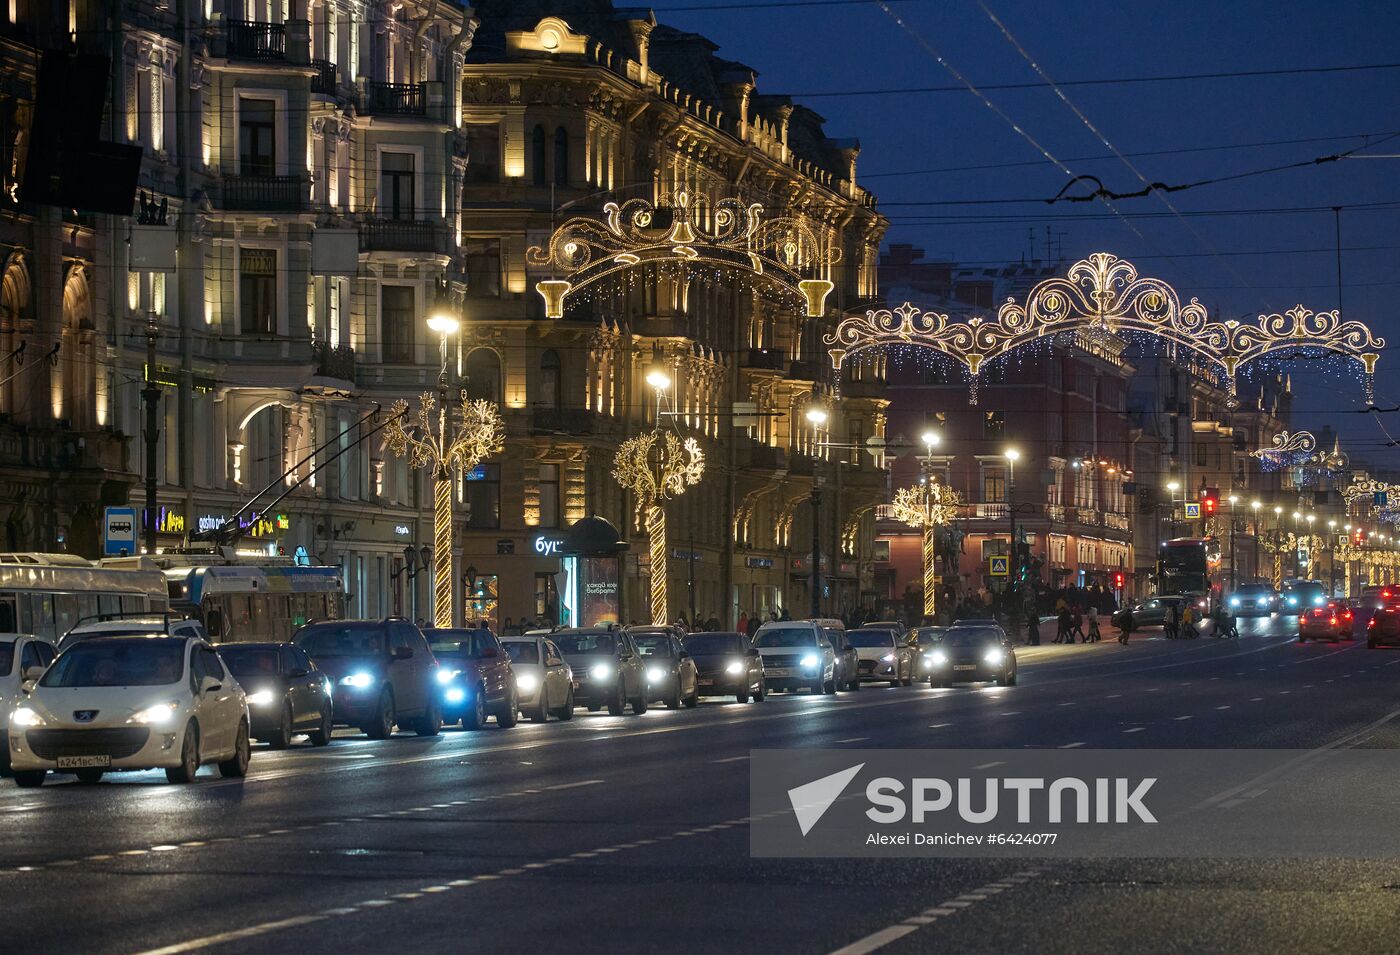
point(998, 566)
point(1193, 510)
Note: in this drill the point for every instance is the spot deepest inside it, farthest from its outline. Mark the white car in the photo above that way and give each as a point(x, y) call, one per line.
point(133, 626)
point(544, 683)
point(796, 653)
point(23, 659)
point(123, 703)
point(884, 655)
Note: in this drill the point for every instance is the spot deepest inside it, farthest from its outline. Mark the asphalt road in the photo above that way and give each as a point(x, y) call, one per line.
point(630, 833)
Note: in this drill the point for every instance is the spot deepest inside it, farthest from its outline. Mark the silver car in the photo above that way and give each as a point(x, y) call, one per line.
point(544, 683)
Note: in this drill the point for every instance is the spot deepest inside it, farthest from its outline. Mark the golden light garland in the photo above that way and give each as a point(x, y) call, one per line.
point(1103, 294)
point(479, 433)
point(685, 229)
point(657, 466)
point(1281, 544)
point(929, 506)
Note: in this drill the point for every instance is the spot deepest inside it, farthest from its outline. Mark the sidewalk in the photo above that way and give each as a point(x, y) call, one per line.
point(1107, 632)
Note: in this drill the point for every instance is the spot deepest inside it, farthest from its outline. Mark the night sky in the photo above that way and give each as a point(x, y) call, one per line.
point(1238, 264)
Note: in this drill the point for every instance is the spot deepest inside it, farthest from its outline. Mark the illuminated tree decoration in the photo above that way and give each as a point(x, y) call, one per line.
point(1289, 450)
point(657, 466)
point(927, 505)
point(1103, 294)
point(479, 434)
point(688, 230)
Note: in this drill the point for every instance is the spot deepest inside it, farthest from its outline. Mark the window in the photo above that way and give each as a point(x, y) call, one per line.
point(549, 380)
point(484, 153)
point(396, 180)
point(257, 151)
point(993, 424)
point(537, 157)
point(993, 485)
point(549, 495)
point(483, 264)
point(484, 375)
point(483, 496)
point(396, 323)
point(29, 657)
point(561, 156)
point(257, 291)
point(880, 551)
point(1201, 452)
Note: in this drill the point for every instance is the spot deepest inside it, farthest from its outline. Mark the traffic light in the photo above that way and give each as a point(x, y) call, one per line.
point(1210, 501)
point(1358, 536)
point(1118, 580)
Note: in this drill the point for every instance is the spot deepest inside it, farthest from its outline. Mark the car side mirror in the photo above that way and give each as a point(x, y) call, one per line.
point(753, 652)
point(298, 673)
point(683, 656)
point(32, 674)
point(403, 653)
point(210, 685)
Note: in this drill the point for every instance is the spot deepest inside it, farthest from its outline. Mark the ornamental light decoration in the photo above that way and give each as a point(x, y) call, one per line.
point(657, 466)
point(1103, 295)
point(928, 506)
point(479, 434)
point(1288, 450)
point(685, 231)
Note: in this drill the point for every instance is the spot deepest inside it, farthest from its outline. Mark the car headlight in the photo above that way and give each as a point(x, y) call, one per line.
point(455, 695)
point(260, 698)
point(811, 660)
point(1317, 601)
point(446, 676)
point(600, 671)
point(937, 658)
point(655, 675)
point(157, 715)
point(24, 716)
point(357, 680)
point(994, 657)
point(888, 658)
point(1292, 601)
point(1234, 601)
point(734, 668)
point(526, 682)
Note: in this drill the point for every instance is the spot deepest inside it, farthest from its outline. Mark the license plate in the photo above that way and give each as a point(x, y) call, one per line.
point(707, 682)
point(84, 762)
point(781, 671)
point(965, 666)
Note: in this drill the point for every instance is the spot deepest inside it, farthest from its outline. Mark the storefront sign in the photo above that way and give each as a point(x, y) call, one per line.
point(505, 546)
point(252, 525)
point(167, 521)
point(402, 530)
point(678, 554)
point(548, 545)
point(760, 563)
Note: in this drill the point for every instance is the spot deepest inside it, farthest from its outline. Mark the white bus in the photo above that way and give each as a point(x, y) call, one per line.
point(47, 594)
point(252, 604)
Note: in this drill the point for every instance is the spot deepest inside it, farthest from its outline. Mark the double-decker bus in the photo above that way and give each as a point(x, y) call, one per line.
point(1189, 565)
point(47, 594)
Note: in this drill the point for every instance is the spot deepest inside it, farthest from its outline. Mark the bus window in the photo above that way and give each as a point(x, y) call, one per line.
point(133, 603)
point(87, 606)
point(9, 615)
point(239, 621)
point(26, 614)
point(65, 612)
point(298, 610)
point(335, 606)
point(109, 604)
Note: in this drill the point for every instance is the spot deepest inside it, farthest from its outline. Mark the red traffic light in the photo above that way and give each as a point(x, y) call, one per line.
point(1118, 581)
point(1210, 500)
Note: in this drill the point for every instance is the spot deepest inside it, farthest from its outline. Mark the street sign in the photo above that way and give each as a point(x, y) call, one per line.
point(1193, 510)
point(119, 531)
point(1378, 499)
point(999, 566)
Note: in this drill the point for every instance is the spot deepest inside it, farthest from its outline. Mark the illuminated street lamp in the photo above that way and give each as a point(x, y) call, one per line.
point(817, 418)
point(928, 506)
point(1254, 506)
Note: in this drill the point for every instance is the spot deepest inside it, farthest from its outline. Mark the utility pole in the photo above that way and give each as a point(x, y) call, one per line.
point(151, 395)
point(816, 547)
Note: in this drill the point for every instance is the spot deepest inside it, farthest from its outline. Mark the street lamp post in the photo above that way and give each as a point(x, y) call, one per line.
point(1172, 488)
point(1278, 546)
point(816, 416)
point(930, 541)
point(928, 506)
point(1312, 549)
point(1013, 569)
point(1233, 576)
point(1254, 506)
point(1332, 557)
point(151, 395)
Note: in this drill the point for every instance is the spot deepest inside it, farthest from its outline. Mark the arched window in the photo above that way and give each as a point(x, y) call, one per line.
point(561, 157)
point(550, 392)
point(537, 157)
point(484, 375)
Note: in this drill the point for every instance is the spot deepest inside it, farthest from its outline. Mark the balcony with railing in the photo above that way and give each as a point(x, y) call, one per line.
point(255, 40)
point(334, 361)
point(263, 193)
point(323, 81)
point(424, 236)
point(395, 99)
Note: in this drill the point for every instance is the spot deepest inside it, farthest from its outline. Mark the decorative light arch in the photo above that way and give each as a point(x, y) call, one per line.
point(1104, 294)
point(685, 229)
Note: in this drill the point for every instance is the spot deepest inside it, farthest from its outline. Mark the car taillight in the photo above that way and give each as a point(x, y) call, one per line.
point(1346, 615)
point(1371, 622)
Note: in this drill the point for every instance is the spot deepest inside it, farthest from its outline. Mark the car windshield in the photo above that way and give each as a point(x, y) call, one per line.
point(244, 662)
point(709, 644)
point(928, 638)
point(971, 638)
point(871, 638)
point(785, 637)
point(521, 651)
point(7, 657)
point(578, 644)
point(342, 640)
point(1251, 589)
point(119, 662)
point(458, 640)
point(653, 646)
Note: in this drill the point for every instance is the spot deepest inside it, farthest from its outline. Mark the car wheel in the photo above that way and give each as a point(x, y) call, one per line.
point(829, 687)
point(909, 679)
point(743, 695)
point(189, 757)
point(817, 688)
point(475, 717)
point(566, 712)
point(321, 736)
point(236, 766)
point(761, 693)
point(1370, 644)
point(618, 704)
point(1302, 639)
point(1011, 680)
point(509, 712)
point(673, 699)
point(382, 724)
point(90, 776)
point(540, 714)
point(640, 703)
point(895, 682)
point(30, 778)
point(593, 707)
point(693, 700)
point(283, 736)
point(430, 723)
point(854, 685)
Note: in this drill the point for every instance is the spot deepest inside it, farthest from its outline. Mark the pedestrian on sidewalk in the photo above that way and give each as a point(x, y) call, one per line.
point(1188, 623)
point(1170, 622)
point(1093, 615)
point(1063, 621)
point(1032, 627)
point(1126, 623)
point(1078, 620)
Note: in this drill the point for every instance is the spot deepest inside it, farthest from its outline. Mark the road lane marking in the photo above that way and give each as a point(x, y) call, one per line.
point(252, 931)
point(1135, 729)
point(730, 759)
point(939, 726)
point(854, 739)
point(1180, 718)
point(1071, 745)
